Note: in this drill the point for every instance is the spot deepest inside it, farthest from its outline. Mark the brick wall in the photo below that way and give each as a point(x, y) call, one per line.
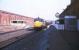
point(6, 19)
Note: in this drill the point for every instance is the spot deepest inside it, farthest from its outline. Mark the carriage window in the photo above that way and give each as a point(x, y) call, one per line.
point(17, 21)
point(20, 21)
point(14, 21)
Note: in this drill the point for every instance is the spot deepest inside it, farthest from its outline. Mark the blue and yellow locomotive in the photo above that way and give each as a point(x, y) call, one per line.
point(39, 24)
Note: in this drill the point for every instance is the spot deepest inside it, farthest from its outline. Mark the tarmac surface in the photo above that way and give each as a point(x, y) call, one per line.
point(63, 40)
point(50, 39)
point(9, 37)
point(35, 41)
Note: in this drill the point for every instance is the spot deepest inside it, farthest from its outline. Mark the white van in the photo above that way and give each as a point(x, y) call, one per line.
point(59, 24)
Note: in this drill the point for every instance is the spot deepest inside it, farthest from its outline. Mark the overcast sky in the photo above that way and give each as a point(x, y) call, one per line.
point(33, 8)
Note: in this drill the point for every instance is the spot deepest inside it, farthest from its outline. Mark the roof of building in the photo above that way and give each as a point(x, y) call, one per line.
point(13, 14)
point(72, 9)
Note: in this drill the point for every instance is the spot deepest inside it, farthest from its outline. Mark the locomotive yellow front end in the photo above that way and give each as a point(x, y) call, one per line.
point(38, 25)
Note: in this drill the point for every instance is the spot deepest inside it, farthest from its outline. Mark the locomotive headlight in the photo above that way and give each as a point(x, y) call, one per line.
point(38, 24)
